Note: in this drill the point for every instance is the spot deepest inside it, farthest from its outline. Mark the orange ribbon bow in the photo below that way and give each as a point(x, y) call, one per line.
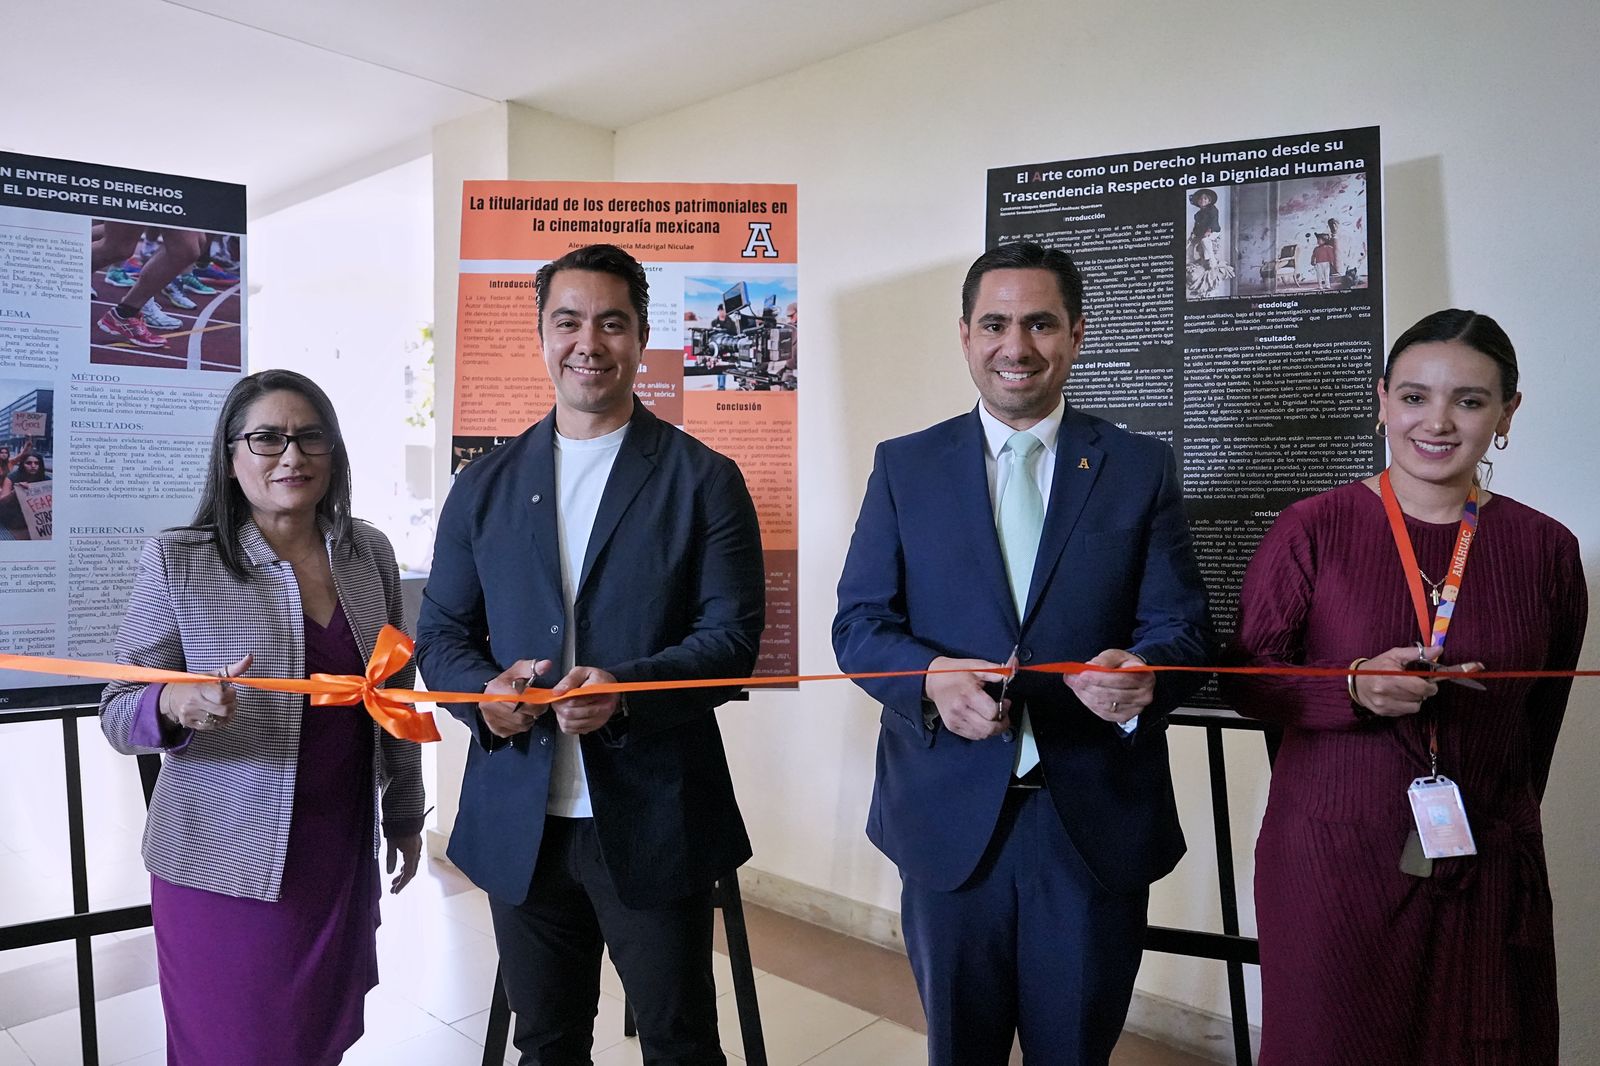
point(391, 652)
point(390, 708)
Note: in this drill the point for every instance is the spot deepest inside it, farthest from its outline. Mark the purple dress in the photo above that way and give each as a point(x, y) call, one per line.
point(1362, 964)
point(251, 983)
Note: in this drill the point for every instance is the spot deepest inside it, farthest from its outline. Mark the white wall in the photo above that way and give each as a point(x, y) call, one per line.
point(1492, 145)
point(340, 287)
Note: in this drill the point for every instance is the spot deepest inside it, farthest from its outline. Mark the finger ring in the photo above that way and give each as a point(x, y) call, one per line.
point(210, 720)
point(1114, 705)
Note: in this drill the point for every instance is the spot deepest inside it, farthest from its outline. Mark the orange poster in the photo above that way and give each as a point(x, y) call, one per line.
point(724, 325)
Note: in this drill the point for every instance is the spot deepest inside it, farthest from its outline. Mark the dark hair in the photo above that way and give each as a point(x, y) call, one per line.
point(1204, 192)
point(21, 472)
point(1479, 332)
point(1026, 255)
point(223, 508)
point(601, 259)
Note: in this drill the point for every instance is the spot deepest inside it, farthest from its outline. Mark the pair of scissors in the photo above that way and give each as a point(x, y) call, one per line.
point(1000, 700)
point(1424, 665)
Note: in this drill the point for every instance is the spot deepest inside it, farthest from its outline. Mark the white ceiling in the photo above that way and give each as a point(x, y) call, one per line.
point(279, 95)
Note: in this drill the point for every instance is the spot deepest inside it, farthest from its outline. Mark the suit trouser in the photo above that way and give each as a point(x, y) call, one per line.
point(550, 950)
point(1030, 945)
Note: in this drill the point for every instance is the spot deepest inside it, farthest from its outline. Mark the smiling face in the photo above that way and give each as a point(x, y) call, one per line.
point(1020, 344)
point(593, 341)
point(1443, 406)
point(291, 484)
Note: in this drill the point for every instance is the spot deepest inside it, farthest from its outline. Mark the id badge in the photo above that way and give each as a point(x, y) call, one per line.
point(1441, 818)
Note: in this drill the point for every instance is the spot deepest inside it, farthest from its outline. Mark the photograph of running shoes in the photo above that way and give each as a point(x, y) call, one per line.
point(173, 301)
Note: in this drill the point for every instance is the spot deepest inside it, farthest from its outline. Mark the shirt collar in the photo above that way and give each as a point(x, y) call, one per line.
point(996, 432)
point(260, 552)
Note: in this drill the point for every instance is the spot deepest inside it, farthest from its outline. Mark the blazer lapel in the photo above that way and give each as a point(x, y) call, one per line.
point(360, 591)
point(1077, 468)
point(966, 471)
point(634, 464)
point(536, 500)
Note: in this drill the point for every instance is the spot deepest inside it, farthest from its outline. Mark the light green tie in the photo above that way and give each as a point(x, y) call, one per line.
point(1020, 523)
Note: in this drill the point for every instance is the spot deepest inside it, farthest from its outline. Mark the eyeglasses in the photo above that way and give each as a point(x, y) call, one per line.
point(267, 442)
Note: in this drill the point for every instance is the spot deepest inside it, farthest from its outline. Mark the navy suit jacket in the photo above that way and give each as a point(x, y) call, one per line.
point(1115, 569)
point(672, 587)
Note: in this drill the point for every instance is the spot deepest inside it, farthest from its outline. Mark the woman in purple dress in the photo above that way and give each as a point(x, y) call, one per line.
point(1371, 952)
point(262, 835)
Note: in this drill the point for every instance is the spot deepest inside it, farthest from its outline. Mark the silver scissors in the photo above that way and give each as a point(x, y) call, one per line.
point(1000, 700)
point(1422, 665)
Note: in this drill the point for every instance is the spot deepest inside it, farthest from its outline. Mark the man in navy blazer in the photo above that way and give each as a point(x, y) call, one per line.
point(601, 545)
point(1029, 816)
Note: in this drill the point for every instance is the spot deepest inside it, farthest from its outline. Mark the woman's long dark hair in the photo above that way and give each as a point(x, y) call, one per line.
point(20, 474)
point(223, 509)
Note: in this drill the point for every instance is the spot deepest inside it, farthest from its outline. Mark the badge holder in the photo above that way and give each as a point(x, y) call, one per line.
point(1442, 830)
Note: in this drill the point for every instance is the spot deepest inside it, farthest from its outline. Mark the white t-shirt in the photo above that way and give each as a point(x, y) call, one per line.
point(582, 469)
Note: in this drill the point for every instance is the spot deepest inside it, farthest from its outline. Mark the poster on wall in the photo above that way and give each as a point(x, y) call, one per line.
point(723, 355)
point(121, 330)
point(1234, 298)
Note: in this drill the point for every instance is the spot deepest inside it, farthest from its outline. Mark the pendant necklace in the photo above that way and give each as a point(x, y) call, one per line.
point(1433, 586)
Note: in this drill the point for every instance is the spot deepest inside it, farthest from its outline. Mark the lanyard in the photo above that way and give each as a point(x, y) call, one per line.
point(1435, 633)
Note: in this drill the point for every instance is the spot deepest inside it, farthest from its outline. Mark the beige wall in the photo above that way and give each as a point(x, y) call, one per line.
point(1491, 146)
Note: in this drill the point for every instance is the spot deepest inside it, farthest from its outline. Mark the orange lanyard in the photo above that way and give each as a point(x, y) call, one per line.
point(1433, 633)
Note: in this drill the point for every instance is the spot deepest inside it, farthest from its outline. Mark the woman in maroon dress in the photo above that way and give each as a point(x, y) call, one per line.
point(1451, 960)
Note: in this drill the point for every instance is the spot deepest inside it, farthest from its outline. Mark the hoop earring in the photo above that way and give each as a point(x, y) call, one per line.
point(1500, 442)
point(1382, 429)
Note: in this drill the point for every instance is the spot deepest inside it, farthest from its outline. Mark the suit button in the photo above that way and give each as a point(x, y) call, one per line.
point(1025, 655)
point(584, 625)
point(555, 629)
point(543, 741)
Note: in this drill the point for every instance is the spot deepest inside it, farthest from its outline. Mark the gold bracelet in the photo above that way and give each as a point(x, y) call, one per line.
point(1350, 684)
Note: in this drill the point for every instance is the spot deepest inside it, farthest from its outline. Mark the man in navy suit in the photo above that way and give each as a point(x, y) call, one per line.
point(601, 545)
point(1028, 817)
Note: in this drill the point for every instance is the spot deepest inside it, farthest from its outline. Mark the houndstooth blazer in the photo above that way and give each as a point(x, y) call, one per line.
point(219, 819)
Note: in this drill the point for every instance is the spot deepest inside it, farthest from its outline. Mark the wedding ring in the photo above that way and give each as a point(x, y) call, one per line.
point(210, 720)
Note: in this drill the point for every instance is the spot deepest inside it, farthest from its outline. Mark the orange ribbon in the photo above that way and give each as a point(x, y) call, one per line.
point(391, 653)
point(392, 708)
point(388, 707)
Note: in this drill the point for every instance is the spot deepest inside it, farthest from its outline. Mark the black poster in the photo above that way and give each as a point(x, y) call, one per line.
point(1234, 298)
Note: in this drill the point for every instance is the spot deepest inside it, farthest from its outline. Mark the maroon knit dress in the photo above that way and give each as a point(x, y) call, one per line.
point(1361, 964)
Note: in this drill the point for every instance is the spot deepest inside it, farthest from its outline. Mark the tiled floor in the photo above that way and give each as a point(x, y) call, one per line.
point(825, 999)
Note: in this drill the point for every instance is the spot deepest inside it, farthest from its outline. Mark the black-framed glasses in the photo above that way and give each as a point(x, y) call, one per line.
point(269, 442)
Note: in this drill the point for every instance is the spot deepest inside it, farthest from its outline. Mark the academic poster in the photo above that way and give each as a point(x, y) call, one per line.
point(722, 361)
point(121, 330)
point(1234, 297)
